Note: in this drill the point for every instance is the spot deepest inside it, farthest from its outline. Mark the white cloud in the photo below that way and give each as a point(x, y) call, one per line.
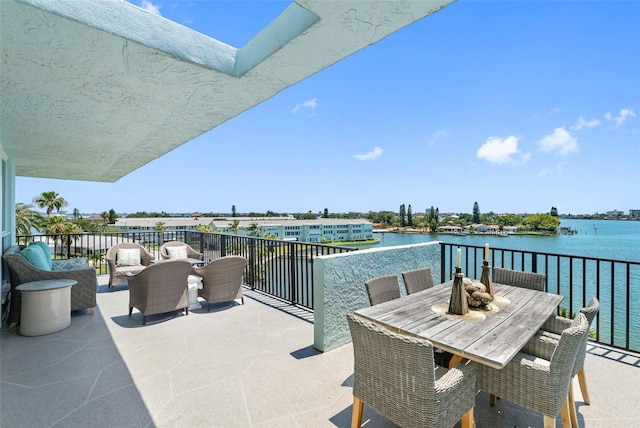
point(542, 173)
point(500, 150)
point(582, 123)
point(560, 141)
point(373, 154)
point(150, 7)
point(437, 137)
point(308, 104)
point(625, 114)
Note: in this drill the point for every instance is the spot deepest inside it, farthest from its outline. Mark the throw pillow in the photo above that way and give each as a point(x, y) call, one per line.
point(177, 252)
point(128, 257)
point(34, 255)
point(45, 250)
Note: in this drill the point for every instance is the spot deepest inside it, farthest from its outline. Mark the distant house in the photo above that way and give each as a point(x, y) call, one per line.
point(484, 228)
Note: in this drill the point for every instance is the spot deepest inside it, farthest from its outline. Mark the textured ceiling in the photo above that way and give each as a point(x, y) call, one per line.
point(92, 90)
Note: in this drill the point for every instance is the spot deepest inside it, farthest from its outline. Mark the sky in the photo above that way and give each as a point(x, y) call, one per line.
point(519, 106)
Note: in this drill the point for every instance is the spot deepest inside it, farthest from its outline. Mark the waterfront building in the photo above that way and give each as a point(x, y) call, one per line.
point(286, 228)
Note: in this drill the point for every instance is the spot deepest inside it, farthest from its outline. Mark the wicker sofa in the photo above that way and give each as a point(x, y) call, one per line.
point(83, 294)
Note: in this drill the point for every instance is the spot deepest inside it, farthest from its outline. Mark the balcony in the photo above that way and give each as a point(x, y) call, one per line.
point(245, 366)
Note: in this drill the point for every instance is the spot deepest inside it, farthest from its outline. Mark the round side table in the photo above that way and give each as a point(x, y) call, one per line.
point(46, 306)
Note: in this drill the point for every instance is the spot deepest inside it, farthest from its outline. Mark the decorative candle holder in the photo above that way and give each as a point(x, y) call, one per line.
point(458, 303)
point(486, 277)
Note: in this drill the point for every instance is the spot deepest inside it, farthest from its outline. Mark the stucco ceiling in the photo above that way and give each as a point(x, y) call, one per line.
point(93, 89)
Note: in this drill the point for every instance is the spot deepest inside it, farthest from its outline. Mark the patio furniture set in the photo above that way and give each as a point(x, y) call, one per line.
point(173, 283)
point(518, 350)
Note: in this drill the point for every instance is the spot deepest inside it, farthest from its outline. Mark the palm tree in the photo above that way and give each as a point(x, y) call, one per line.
point(204, 228)
point(160, 226)
point(235, 226)
point(60, 227)
point(50, 200)
point(253, 229)
point(27, 219)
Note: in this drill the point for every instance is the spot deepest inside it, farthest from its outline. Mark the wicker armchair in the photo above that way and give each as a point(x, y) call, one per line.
point(395, 375)
point(159, 288)
point(222, 279)
point(382, 289)
point(536, 383)
point(545, 341)
point(191, 253)
point(516, 278)
point(83, 294)
point(118, 273)
point(417, 280)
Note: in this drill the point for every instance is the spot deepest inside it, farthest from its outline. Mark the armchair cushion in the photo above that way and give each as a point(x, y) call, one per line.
point(35, 256)
point(45, 249)
point(128, 257)
point(67, 265)
point(177, 252)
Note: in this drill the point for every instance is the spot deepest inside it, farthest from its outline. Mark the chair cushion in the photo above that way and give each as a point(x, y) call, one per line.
point(177, 252)
point(75, 263)
point(46, 250)
point(130, 270)
point(128, 257)
point(34, 255)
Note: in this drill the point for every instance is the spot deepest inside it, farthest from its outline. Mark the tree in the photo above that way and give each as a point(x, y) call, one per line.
point(233, 211)
point(160, 226)
point(409, 216)
point(235, 226)
point(112, 216)
point(27, 219)
point(476, 213)
point(76, 213)
point(50, 200)
point(326, 213)
point(402, 215)
point(253, 229)
point(554, 212)
point(204, 228)
point(543, 222)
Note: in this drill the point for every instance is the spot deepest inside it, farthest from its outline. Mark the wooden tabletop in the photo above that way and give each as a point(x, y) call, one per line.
point(492, 341)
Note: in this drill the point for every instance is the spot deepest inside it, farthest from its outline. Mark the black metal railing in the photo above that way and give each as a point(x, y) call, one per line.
point(615, 283)
point(282, 269)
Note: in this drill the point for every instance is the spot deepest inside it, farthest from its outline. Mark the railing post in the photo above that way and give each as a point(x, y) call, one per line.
point(534, 262)
point(223, 245)
point(443, 257)
point(252, 263)
point(292, 273)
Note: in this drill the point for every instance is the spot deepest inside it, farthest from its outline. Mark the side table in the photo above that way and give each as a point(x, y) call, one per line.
point(194, 283)
point(46, 306)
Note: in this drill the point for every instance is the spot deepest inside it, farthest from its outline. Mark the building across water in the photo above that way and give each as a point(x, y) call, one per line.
point(286, 228)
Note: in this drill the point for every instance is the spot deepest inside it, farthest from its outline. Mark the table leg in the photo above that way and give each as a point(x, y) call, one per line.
point(454, 361)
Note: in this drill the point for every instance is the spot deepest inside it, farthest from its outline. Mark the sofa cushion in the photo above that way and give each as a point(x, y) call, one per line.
point(128, 257)
point(46, 250)
point(75, 263)
point(34, 255)
point(177, 252)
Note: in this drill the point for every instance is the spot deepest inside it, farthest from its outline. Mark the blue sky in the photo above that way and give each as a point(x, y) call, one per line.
point(519, 106)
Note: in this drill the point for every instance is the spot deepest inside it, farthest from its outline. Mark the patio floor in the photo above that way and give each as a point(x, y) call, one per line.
point(236, 366)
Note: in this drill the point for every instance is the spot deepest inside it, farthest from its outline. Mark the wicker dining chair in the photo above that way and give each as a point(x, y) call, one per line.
point(395, 375)
point(191, 253)
point(222, 279)
point(382, 289)
point(160, 288)
point(517, 278)
point(536, 383)
point(545, 340)
point(417, 280)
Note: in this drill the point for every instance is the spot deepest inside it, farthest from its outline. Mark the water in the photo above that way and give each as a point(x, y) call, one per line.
point(607, 239)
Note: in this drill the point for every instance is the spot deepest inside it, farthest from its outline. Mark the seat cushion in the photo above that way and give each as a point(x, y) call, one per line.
point(130, 270)
point(128, 257)
point(45, 249)
point(177, 252)
point(35, 256)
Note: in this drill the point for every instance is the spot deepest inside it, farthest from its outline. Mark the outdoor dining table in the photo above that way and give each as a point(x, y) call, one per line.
point(491, 338)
